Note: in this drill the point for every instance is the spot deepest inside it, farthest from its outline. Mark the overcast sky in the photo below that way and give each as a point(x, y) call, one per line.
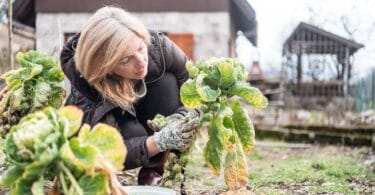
point(277, 19)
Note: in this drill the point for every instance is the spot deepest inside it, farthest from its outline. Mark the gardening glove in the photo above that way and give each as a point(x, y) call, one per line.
point(177, 135)
point(173, 118)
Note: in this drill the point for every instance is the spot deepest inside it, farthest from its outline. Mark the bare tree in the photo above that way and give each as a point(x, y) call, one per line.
point(349, 23)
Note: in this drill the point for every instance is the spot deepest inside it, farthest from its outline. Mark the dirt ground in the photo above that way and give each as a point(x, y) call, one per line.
point(285, 159)
point(282, 168)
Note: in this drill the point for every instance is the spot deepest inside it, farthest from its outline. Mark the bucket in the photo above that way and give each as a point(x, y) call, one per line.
point(148, 190)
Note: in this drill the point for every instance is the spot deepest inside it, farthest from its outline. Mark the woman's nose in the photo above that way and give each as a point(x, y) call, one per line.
point(140, 60)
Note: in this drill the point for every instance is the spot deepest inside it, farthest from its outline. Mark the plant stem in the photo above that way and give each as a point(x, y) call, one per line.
point(63, 183)
point(71, 178)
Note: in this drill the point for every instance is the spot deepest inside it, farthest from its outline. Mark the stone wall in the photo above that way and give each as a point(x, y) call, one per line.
point(211, 31)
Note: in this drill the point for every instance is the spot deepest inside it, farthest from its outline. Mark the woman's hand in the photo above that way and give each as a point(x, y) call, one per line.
point(177, 134)
point(173, 118)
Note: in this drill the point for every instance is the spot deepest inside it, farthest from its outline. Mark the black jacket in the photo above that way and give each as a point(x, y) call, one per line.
point(164, 57)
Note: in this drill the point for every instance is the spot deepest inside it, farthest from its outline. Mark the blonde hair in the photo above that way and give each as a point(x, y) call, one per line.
point(100, 48)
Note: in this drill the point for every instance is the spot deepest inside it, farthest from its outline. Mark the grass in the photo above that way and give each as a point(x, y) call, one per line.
point(317, 173)
point(291, 171)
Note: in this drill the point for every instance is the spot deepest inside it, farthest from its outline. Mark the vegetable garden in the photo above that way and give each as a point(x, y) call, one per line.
point(43, 142)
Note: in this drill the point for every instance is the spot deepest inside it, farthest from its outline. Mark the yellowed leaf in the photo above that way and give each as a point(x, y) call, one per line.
point(236, 170)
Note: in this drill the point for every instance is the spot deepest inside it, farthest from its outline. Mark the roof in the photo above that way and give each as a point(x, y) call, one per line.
point(308, 33)
point(244, 19)
point(242, 14)
point(132, 5)
point(24, 12)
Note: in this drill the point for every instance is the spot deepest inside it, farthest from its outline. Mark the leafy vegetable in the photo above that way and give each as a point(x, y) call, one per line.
point(32, 87)
point(231, 132)
point(41, 145)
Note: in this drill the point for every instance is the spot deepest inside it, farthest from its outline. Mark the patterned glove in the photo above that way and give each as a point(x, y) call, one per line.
point(173, 118)
point(177, 135)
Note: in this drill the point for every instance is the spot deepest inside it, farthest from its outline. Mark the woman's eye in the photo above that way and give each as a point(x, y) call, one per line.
point(125, 61)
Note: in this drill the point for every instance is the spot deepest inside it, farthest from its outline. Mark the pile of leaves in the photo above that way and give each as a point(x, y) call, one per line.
point(231, 133)
point(42, 146)
point(30, 88)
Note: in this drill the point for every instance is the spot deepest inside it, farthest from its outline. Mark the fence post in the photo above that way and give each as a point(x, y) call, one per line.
point(372, 89)
point(10, 31)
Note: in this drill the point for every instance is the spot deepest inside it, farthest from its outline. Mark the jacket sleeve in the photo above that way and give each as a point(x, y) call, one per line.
point(175, 60)
point(137, 154)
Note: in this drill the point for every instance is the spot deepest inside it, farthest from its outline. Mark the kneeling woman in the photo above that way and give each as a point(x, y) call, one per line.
point(122, 74)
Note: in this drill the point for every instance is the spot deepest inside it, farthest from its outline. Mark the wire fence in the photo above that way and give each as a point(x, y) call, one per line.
point(363, 92)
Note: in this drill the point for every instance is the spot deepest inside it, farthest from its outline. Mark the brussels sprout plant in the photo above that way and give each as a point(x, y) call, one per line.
point(35, 85)
point(42, 146)
point(231, 133)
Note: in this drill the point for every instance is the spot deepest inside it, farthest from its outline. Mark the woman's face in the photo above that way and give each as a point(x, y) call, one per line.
point(133, 65)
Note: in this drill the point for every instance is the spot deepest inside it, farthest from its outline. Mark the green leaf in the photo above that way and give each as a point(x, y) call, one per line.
point(11, 175)
point(13, 77)
point(213, 152)
point(227, 73)
point(53, 117)
point(109, 142)
point(206, 93)
point(55, 74)
point(193, 71)
point(41, 93)
point(41, 58)
point(37, 168)
point(243, 126)
point(94, 184)
point(36, 69)
point(22, 187)
point(219, 139)
point(189, 95)
point(84, 132)
point(252, 95)
point(75, 154)
point(38, 187)
point(56, 97)
point(20, 57)
point(4, 102)
point(74, 118)
point(239, 70)
point(223, 128)
point(236, 171)
point(18, 94)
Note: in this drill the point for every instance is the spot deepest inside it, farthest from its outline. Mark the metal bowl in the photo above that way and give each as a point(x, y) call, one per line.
point(148, 190)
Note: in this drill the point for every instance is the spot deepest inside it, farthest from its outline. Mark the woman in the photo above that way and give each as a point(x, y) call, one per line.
point(122, 74)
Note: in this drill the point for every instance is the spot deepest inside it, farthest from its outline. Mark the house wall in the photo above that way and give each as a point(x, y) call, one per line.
point(211, 31)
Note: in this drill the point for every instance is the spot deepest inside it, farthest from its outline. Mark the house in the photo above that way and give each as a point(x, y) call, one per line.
point(202, 28)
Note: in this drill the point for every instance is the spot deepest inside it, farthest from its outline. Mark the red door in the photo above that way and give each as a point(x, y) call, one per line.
point(185, 41)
